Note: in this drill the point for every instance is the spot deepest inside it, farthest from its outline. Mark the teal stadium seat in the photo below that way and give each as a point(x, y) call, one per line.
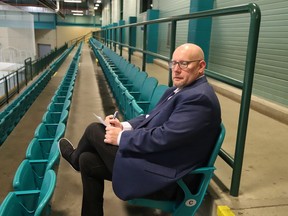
point(61, 99)
point(40, 157)
point(143, 97)
point(137, 82)
point(149, 104)
point(60, 92)
point(127, 105)
point(136, 109)
point(120, 97)
point(27, 178)
point(130, 76)
point(59, 107)
point(55, 117)
point(192, 201)
point(157, 94)
point(43, 154)
point(30, 202)
point(49, 131)
point(129, 71)
point(39, 147)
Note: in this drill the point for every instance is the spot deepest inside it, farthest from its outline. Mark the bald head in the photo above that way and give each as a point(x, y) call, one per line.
point(188, 64)
point(190, 51)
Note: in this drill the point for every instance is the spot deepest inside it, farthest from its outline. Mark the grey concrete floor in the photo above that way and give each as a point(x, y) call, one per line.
point(264, 182)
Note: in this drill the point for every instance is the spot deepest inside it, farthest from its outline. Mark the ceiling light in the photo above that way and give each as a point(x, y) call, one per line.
point(78, 14)
point(98, 1)
point(72, 1)
point(95, 8)
point(76, 11)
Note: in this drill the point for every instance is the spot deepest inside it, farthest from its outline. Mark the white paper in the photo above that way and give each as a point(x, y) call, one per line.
point(100, 119)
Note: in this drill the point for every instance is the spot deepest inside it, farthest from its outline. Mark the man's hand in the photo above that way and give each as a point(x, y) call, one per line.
point(111, 135)
point(109, 120)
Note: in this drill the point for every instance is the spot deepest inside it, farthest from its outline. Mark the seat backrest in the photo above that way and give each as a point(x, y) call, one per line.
point(42, 159)
point(30, 202)
point(49, 131)
point(11, 206)
point(51, 117)
point(158, 92)
point(55, 117)
point(138, 81)
point(46, 193)
point(25, 178)
point(124, 64)
point(45, 131)
point(127, 70)
point(38, 149)
point(127, 102)
point(132, 74)
point(59, 107)
point(54, 156)
point(217, 147)
point(147, 89)
point(136, 109)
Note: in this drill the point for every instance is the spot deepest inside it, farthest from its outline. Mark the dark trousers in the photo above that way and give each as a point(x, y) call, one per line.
point(95, 160)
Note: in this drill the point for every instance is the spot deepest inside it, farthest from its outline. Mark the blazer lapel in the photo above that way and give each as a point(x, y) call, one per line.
point(157, 109)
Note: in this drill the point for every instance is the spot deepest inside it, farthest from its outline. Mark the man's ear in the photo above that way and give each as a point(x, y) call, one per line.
point(202, 65)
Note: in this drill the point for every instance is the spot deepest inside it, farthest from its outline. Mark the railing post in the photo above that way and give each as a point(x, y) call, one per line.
point(144, 47)
point(132, 37)
point(246, 97)
point(114, 38)
point(172, 48)
point(17, 80)
point(28, 68)
point(6, 89)
point(129, 43)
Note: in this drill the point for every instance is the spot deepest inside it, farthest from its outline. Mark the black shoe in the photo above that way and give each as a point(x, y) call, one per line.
point(66, 149)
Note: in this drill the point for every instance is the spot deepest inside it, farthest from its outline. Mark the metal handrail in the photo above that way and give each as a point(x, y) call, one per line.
point(246, 85)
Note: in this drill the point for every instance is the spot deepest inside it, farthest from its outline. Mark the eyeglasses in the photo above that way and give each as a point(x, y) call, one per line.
point(181, 64)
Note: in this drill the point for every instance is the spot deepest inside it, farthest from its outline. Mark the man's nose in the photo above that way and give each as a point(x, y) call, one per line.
point(177, 68)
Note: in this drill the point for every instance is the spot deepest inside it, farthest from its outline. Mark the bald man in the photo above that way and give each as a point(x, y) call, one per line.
point(145, 156)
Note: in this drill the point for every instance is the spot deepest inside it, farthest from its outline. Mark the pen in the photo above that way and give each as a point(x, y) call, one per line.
point(115, 114)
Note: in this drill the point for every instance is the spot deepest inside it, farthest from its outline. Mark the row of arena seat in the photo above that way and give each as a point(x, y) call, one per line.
point(35, 179)
point(12, 114)
point(134, 92)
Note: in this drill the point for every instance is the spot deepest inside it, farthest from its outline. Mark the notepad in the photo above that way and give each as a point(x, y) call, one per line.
point(100, 119)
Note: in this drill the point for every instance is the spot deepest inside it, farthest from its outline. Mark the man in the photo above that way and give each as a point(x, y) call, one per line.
point(145, 156)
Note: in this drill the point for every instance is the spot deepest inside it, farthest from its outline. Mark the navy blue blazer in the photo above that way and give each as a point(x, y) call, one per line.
point(177, 137)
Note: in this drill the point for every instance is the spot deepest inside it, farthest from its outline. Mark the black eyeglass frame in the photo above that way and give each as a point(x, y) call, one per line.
point(180, 64)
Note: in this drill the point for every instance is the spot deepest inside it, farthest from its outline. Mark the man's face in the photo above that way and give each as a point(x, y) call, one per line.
point(187, 65)
point(185, 71)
